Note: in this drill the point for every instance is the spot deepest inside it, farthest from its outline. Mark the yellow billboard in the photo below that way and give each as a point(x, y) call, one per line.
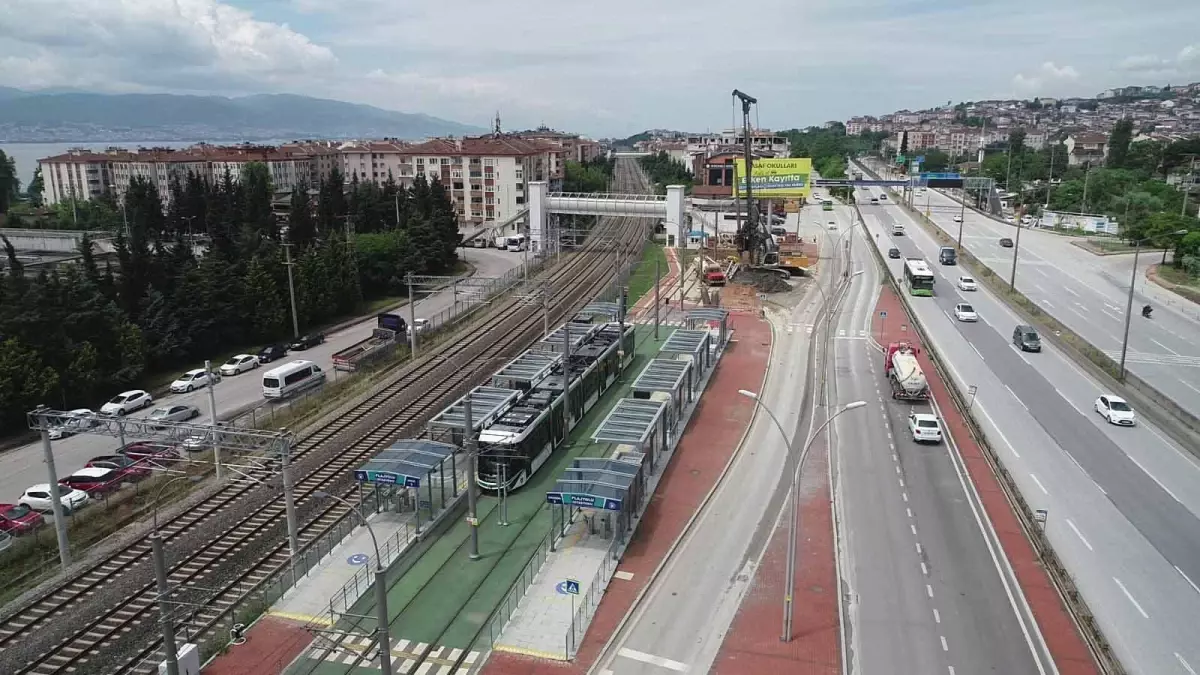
point(775, 178)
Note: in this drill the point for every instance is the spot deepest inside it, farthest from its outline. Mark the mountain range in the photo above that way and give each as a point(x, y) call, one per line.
point(66, 116)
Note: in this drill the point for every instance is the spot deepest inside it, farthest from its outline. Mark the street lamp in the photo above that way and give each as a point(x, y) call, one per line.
point(790, 582)
point(1129, 302)
point(163, 586)
point(381, 611)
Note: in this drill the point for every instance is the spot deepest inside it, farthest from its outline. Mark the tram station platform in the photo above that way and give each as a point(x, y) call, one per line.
point(440, 603)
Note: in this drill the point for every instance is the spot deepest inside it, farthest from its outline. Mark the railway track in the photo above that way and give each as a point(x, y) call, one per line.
point(111, 604)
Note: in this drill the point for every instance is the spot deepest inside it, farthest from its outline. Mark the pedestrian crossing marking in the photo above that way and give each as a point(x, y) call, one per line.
point(439, 660)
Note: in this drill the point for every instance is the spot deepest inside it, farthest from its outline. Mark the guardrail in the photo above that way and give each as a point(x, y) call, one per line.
point(1063, 582)
point(591, 600)
point(493, 628)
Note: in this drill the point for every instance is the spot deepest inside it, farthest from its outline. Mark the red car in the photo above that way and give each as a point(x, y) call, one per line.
point(94, 481)
point(148, 452)
point(129, 468)
point(19, 519)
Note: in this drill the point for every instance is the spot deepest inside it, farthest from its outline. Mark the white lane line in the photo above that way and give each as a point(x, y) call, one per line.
point(1047, 303)
point(897, 470)
point(937, 618)
point(918, 548)
point(1188, 579)
point(945, 647)
point(1164, 487)
point(1164, 346)
point(914, 529)
point(924, 569)
point(909, 512)
point(995, 426)
point(1018, 398)
point(951, 669)
point(1110, 315)
point(1039, 483)
point(977, 353)
point(929, 590)
point(901, 482)
point(1131, 599)
point(1190, 386)
point(652, 659)
point(1068, 289)
point(1080, 535)
point(1184, 663)
point(904, 496)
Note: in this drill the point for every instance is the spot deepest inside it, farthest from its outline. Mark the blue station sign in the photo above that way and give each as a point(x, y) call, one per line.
point(387, 478)
point(583, 501)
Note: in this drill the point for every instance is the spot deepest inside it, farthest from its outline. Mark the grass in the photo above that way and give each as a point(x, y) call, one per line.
point(1180, 282)
point(642, 279)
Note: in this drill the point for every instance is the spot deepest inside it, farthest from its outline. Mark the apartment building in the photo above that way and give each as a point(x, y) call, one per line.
point(762, 141)
point(376, 160)
point(78, 174)
point(1086, 148)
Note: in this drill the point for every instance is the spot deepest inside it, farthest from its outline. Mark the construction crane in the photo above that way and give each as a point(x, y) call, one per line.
point(753, 238)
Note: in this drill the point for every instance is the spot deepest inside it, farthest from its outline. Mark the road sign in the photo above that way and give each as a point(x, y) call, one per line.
point(883, 313)
point(473, 522)
point(357, 559)
point(572, 586)
point(387, 478)
point(583, 500)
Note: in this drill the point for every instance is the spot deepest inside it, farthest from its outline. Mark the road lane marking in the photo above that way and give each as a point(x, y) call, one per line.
point(1144, 470)
point(1018, 398)
point(996, 427)
point(1131, 599)
point(945, 647)
point(918, 548)
point(1164, 347)
point(1039, 484)
point(977, 353)
point(929, 590)
point(901, 482)
point(1190, 386)
point(1110, 315)
point(904, 496)
point(1080, 535)
point(1068, 289)
point(924, 569)
point(1184, 663)
point(914, 529)
point(937, 618)
point(951, 669)
point(1047, 303)
point(1188, 579)
point(652, 659)
point(909, 512)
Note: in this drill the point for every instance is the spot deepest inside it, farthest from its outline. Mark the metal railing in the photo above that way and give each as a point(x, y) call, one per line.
point(341, 601)
point(587, 604)
point(491, 630)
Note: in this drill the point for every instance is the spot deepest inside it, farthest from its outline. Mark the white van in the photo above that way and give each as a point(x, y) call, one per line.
point(897, 230)
point(290, 378)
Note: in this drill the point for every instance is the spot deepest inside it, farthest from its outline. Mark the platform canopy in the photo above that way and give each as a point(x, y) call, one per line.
point(405, 462)
point(630, 422)
point(665, 375)
point(601, 309)
point(485, 403)
point(530, 366)
point(596, 483)
point(578, 333)
point(707, 314)
point(694, 342)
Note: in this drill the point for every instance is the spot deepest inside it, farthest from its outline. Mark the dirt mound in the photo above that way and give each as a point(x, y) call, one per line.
point(764, 281)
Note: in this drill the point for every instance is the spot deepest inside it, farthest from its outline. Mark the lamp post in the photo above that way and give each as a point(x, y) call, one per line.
point(790, 581)
point(1129, 301)
point(163, 586)
point(381, 610)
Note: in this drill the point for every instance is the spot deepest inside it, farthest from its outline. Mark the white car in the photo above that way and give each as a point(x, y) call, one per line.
point(420, 325)
point(73, 423)
point(37, 498)
point(958, 219)
point(966, 284)
point(239, 364)
point(924, 428)
point(1116, 410)
point(127, 402)
point(832, 225)
point(965, 312)
point(192, 379)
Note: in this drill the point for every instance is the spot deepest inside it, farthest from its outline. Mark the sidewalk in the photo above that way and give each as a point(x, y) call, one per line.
point(703, 452)
point(1070, 653)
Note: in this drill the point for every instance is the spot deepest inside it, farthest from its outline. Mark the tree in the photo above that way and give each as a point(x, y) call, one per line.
point(904, 144)
point(36, 187)
point(262, 303)
point(1118, 144)
point(25, 382)
point(10, 185)
point(936, 160)
point(302, 227)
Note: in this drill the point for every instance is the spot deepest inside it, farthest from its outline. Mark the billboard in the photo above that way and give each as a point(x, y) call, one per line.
point(775, 178)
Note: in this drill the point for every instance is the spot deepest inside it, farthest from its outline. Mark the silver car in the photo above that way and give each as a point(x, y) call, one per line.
point(73, 423)
point(174, 413)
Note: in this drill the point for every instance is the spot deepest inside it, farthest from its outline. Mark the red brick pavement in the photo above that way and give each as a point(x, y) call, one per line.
point(271, 645)
point(752, 645)
point(1067, 647)
point(704, 450)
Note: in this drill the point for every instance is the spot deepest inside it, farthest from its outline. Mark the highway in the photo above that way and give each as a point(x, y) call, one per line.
point(926, 594)
point(1122, 503)
point(1088, 293)
point(22, 467)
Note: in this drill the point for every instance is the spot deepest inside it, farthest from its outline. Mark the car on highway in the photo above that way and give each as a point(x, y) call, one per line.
point(965, 312)
point(239, 364)
point(307, 342)
point(1026, 338)
point(1006, 242)
point(37, 497)
point(924, 428)
point(832, 225)
point(192, 379)
point(18, 519)
point(958, 219)
point(95, 481)
point(894, 253)
point(271, 353)
point(966, 284)
point(127, 402)
point(174, 413)
point(874, 200)
point(129, 468)
point(883, 195)
point(73, 423)
point(1116, 411)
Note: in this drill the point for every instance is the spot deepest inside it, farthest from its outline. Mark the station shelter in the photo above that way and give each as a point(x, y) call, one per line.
point(715, 319)
point(669, 379)
point(413, 473)
point(693, 344)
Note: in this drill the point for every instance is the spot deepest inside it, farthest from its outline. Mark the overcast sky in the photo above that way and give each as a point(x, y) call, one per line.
point(605, 68)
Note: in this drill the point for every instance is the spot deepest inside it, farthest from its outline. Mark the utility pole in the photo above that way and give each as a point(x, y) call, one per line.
point(1050, 180)
point(412, 316)
point(750, 235)
point(164, 605)
point(472, 486)
point(656, 300)
point(289, 499)
point(351, 250)
point(1087, 174)
point(287, 262)
point(56, 505)
point(212, 412)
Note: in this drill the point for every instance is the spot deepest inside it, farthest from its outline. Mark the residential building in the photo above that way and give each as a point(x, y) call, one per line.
point(376, 161)
point(1086, 147)
point(762, 141)
point(78, 174)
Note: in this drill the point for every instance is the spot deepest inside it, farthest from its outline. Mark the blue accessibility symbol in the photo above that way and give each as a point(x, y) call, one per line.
point(358, 559)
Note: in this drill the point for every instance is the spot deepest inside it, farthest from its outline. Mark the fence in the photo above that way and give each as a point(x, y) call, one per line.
point(491, 629)
point(591, 600)
point(341, 601)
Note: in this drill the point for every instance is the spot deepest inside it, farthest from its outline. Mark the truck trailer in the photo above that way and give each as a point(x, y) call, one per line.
point(904, 373)
point(381, 344)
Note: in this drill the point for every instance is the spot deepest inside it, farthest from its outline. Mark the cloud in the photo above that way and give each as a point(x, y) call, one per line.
point(1185, 63)
point(1045, 78)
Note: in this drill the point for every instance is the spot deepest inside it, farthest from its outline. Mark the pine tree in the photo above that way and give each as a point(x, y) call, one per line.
point(302, 228)
point(262, 303)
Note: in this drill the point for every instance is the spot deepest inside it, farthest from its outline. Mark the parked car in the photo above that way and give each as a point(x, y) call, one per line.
point(1116, 410)
point(174, 413)
point(239, 364)
point(148, 452)
point(965, 312)
point(129, 468)
point(197, 442)
point(271, 353)
point(1006, 242)
point(966, 284)
point(924, 428)
point(193, 379)
point(127, 402)
point(307, 341)
point(894, 253)
point(420, 325)
point(73, 423)
point(19, 519)
point(94, 480)
point(37, 497)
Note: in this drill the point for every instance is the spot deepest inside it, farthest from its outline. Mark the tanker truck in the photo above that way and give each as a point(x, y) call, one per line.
point(904, 373)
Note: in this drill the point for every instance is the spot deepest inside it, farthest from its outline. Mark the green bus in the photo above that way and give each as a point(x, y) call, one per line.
point(918, 277)
point(827, 205)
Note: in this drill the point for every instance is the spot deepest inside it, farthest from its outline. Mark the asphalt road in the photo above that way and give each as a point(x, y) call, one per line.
point(22, 467)
point(1089, 293)
point(1122, 503)
point(926, 594)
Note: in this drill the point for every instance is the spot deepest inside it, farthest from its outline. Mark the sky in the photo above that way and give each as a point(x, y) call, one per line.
point(605, 68)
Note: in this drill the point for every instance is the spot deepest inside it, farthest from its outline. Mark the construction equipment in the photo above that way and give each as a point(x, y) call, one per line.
point(904, 373)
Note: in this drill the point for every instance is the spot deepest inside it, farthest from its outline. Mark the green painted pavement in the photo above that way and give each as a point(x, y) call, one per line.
point(445, 597)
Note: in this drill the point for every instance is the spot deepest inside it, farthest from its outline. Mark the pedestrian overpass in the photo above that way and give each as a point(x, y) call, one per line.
point(668, 208)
